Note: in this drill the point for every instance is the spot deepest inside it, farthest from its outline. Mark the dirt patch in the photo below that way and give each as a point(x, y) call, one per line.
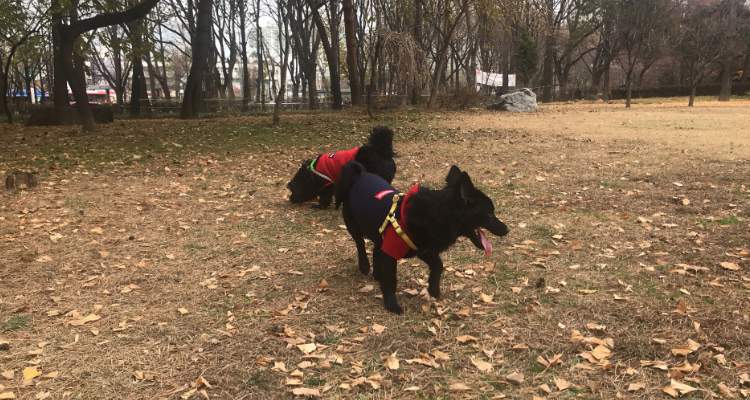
point(159, 259)
point(714, 129)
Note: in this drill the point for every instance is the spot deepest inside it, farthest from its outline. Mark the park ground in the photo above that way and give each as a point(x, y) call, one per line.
point(159, 258)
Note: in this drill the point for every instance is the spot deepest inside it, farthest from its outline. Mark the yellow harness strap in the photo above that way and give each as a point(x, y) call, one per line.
point(391, 219)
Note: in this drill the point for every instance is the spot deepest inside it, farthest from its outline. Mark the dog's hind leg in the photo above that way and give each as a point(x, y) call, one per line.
point(359, 240)
point(325, 197)
point(385, 267)
point(436, 271)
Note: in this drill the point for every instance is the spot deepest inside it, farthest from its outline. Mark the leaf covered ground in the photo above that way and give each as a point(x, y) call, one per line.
point(160, 259)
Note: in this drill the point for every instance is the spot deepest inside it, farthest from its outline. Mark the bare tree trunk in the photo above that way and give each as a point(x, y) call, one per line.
point(628, 88)
point(201, 46)
point(284, 64)
point(548, 69)
point(260, 90)
point(606, 84)
point(373, 76)
point(77, 83)
point(418, 20)
point(691, 102)
point(4, 87)
point(727, 73)
point(137, 79)
point(59, 80)
point(350, 29)
point(136, 82)
point(152, 78)
point(331, 49)
point(246, 94)
point(162, 58)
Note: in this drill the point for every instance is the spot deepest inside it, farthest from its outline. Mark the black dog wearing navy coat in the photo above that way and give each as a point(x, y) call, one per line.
point(421, 223)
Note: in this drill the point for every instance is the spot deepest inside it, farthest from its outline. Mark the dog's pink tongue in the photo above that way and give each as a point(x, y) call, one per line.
point(485, 243)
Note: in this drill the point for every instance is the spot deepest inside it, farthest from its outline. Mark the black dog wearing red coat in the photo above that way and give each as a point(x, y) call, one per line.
point(318, 177)
point(421, 223)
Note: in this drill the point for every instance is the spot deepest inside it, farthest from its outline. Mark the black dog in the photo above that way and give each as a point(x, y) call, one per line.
point(422, 223)
point(317, 177)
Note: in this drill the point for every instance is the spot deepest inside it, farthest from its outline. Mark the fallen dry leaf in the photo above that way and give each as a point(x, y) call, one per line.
point(29, 373)
point(84, 320)
point(601, 352)
point(306, 392)
point(688, 348)
point(466, 339)
point(307, 348)
point(677, 388)
point(8, 374)
point(439, 355)
point(378, 329)
point(7, 396)
point(481, 365)
point(293, 382)
point(391, 362)
point(662, 365)
point(486, 298)
point(729, 266)
point(636, 386)
point(424, 360)
point(562, 384)
point(547, 363)
point(458, 387)
point(515, 377)
point(183, 311)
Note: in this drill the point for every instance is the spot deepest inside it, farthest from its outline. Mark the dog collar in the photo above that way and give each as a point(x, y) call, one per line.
point(391, 219)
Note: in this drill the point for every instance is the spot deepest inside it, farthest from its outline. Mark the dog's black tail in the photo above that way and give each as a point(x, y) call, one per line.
point(349, 174)
point(381, 139)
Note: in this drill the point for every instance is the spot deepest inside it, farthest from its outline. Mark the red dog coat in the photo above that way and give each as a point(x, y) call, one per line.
point(393, 245)
point(329, 166)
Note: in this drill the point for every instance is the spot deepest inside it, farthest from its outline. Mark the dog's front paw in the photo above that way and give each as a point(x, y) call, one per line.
point(434, 291)
point(392, 306)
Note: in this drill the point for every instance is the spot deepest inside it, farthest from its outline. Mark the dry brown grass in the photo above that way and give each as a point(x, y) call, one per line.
point(148, 217)
point(710, 128)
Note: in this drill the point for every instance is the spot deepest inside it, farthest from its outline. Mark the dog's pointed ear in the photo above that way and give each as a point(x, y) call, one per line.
point(454, 176)
point(466, 187)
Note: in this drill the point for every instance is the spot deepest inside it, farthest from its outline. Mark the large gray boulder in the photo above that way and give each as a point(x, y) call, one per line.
point(523, 100)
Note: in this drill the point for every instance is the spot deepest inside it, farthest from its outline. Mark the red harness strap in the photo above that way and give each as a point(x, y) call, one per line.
point(329, 166)
point(393, 245)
